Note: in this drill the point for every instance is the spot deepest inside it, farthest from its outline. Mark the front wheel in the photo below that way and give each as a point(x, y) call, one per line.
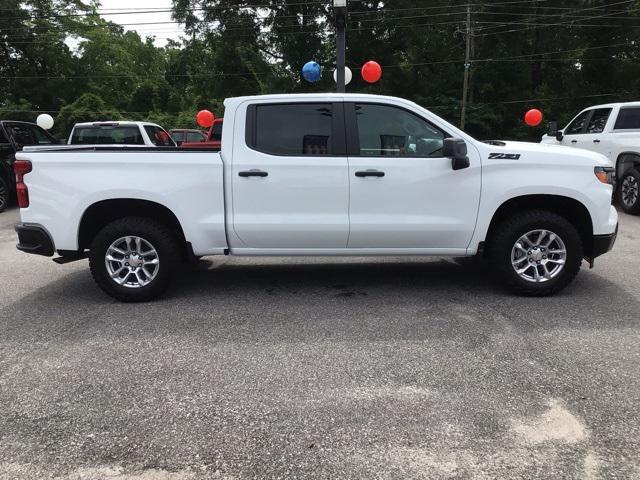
point(132, 259)
point(536, 253)
point(629, 191)
point(4, 195)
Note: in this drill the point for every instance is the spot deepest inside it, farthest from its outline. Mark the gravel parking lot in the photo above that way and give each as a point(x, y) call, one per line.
point(319, 368)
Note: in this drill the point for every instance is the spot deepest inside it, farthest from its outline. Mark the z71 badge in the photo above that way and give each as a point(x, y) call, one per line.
point(504, 156)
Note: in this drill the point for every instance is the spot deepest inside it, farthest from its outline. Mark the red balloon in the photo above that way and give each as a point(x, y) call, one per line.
point(533, 117)
point(371, 72)
point(205, 118)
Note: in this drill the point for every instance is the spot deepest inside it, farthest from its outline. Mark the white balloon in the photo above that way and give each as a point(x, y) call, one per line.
point(45, 121)
point(348, 75)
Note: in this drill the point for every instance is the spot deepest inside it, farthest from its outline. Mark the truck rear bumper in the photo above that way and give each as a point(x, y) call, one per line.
point(603, 243)
point(34, 239)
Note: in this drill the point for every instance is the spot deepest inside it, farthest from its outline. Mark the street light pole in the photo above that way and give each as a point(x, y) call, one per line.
point(340, 7)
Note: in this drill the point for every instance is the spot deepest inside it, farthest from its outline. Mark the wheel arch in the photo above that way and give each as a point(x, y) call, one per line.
point(631, 158)
point(571, 209)
point(101, 213)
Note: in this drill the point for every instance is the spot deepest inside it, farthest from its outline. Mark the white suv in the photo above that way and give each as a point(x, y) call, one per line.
point(614, 131)
point(120, 133)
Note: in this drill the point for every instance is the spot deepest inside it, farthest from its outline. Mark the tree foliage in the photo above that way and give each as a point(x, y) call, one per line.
point(558, 56)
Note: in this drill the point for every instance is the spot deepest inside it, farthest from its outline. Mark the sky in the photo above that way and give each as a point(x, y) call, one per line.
point(162, 32)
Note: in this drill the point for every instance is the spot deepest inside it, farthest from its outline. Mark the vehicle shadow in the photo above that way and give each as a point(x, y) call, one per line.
point(412, 299)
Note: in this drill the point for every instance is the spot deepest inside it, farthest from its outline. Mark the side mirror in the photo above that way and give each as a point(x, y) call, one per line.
point(456, 150)
point(552, 131)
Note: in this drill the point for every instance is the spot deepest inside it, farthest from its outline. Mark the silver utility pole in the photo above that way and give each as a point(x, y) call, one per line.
point(340, 7)
point(467, 67)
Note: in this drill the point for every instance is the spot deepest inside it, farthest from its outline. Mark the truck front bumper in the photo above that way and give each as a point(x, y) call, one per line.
point(34, 239)
point(603, 243)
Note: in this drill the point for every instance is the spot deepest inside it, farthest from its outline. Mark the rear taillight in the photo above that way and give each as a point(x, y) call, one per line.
point(21, 168)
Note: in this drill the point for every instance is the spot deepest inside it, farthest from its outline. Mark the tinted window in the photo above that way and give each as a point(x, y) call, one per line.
point(390, 131)
point(177, 135)
point(195, 137)
point(24, 134)
point(598, 120)
point(3, 137)
point(107, 135)
point(577, 126)
point(628, 119)
point(294, 129)
point(158, 136)
point(216, 132)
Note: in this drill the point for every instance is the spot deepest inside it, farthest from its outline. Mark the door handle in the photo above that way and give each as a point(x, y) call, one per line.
point(574, 141)
point(370, 173)
point(596, 141)
point(253, 173)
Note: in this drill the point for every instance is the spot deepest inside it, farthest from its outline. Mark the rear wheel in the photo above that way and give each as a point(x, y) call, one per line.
point(629, 191)
point(4, 195)
point(132, 259)
point(536, 253)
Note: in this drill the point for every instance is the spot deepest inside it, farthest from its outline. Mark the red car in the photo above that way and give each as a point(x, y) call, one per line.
point(214, 138)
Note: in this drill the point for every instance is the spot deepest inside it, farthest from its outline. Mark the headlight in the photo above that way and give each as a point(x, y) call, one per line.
point(605, 174)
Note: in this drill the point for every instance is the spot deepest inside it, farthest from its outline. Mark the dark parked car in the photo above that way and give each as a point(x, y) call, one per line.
point(14, 136)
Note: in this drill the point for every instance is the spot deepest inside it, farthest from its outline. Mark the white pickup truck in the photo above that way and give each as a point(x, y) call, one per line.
point(319, 174)
point(614, 131)
point(120, 133)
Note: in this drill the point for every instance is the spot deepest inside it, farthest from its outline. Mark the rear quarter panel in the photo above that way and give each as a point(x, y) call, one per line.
point(64, 184)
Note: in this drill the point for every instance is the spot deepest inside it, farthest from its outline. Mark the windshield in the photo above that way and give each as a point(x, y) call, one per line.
point(107, 135)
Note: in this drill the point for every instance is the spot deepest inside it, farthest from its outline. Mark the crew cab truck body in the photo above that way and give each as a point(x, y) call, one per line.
point(613, 130)
point(320, 174)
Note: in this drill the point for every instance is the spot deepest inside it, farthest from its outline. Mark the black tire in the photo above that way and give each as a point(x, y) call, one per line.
point(4, 195)
point(509, 232)
point(631, 177)
point(157, 235)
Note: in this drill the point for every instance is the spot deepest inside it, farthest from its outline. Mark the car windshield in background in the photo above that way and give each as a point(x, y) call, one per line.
point(158, 136)
point(107, 135)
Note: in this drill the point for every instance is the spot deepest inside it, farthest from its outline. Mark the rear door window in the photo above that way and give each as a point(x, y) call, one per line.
point(598, 120)
point(25, 134)
point(577, 126)
point(195, 137)
point(298, 129)
point(628, 119)
point(107, 135)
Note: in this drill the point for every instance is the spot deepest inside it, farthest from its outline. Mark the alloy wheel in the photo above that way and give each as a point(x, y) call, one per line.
point(132, 262)
point(629, 191)
point(538, 256)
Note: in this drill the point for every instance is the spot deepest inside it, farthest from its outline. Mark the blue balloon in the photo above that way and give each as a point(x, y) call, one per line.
point(311, 72)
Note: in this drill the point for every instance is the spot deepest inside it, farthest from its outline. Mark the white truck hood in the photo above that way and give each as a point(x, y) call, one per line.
point(546, 152)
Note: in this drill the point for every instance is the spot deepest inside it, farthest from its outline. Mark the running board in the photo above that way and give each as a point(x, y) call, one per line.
point(70, 257)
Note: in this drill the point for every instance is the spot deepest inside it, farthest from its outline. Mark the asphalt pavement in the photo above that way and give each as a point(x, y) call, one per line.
point(393, 368)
